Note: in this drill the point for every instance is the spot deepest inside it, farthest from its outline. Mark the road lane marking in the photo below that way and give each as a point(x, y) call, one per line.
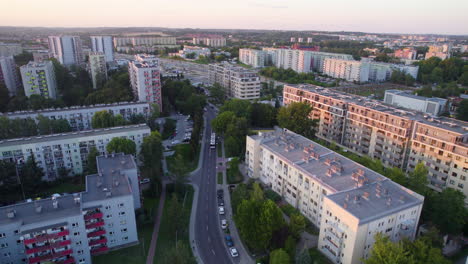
point(206, 228)
point(213, 252)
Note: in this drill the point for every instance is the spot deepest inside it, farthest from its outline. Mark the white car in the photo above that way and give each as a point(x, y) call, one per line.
point(145, 180)
point(233, 252)
point(221, 210)
point(224, 224)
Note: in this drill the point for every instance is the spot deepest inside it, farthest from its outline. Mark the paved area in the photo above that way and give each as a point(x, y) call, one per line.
point(157, 223)
point(181, 127)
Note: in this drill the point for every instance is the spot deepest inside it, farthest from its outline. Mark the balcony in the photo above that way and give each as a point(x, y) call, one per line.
point(97, 233)
point(99, 250)
point(46, 237)
point(95, 224)
point(50, 256)
point(93, 216)
point(48, 247)
point(97, 241)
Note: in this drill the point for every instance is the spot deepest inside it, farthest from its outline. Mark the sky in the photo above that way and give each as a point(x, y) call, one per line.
point(378, 16)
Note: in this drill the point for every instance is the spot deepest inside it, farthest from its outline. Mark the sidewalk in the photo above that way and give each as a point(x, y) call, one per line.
point(157, 223)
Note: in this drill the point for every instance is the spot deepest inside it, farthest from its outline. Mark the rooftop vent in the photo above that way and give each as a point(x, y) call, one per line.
point(345, 205)
point(116, 183)
point(347, 197)
point(55, 204)
point(11, 214)
point(389, 201)
point(77, 200)
point(38, 209)
point(108, 194)
point(366, 195)
point(357, 198)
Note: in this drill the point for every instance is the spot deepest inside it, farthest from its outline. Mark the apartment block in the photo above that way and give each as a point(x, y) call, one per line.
point(145, 79)
point(10, 49)
point(72, 228)
point(349, 70)
point(39, 78)
point(443, 51)
point(144, 41)
point(347, 201)
point(211, 41)
point(68, 152)
point(66, 49)
point(197, 51)
point(252, 57)
point(238, 82)
point(80, 117)
point(8, 75)
point(405, 53)
point(397, 137)
point(104, 45)
point(433, 106)
point(97, 68)
point(41, 55)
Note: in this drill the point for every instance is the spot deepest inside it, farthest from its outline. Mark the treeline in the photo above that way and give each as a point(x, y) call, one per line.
point(17, 128)
point(292, 77)
point(354, 48)
point(435, 70)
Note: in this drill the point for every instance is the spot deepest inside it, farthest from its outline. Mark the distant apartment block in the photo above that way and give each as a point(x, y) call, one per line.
point(309, 40)
point(405, 53)
point(41, 55)
point(197, 51)
point(237, 81)
point(8, 75)
point(39, 78)
point(66, 49)
point(252, 57)
point(397, 137)
point(145, 79)
point(433, 106)
point(74, 227)
point(68, 152)
point(97, 68)
point(211, 41)
point(103, 44)
point(347, 201)
point(442, 52)
point(143, 41)
point(10, 49)
point(349, 70)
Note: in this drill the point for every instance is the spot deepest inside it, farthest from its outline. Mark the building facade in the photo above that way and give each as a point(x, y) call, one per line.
point(145, 79)
point(252, 57)
point(443, 51)
point(9, 75)
point(405, 53)
point(211, 41)
point(97, 68)
point(41, 55)
point(74, 227)
point(238, 82)
point(346, 200)
point(349, 70)
point(432, 106)
point(67, 153)
point(66, 49)
point(104, 45)
point(143, 41)
point(197, 51)
point(10, 49)
point(39, 78)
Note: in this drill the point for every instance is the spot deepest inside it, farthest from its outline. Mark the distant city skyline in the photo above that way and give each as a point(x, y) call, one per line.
point(412, 17)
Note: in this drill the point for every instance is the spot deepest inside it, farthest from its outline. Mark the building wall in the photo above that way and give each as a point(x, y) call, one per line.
point(10, 49)
point(238, 82)
point(254, 58)
point(103, 44)
point(39, 78)
point(145, 79)
point(97, 67)
point(8, 75)
point(421, 104)
point(66, 49)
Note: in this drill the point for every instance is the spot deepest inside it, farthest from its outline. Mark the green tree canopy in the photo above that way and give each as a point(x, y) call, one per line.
point(92, 166)
point(448, 212)
point(462, 111)
point(296, 117)
point(279, 256)
point(417, 180)
point(118, 145)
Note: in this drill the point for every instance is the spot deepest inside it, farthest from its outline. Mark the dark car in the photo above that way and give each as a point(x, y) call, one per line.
point(220, 202)
point(229, 242)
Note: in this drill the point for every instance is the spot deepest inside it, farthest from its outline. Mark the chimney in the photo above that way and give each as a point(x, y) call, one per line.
point(347, 197)
point(366, 195)
point(11, 214)
point(38, 209)
point(55, 204)
point(389, 201)
point(402, 199)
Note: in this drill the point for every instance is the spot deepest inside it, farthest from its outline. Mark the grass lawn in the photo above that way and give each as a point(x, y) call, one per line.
point(166, 239)
point(169, 128)
point(135, 254)
point(233, 174)
point(219, 150)
point(220, 178)
point(190, 158)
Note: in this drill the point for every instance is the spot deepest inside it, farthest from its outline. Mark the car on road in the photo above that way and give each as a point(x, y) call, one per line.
point(221, 210)
point(233, 252)
point(145, 180)
point(175, 142)
point(220, 202)
point(220, 193)
point(228, 240)
point(224, 224)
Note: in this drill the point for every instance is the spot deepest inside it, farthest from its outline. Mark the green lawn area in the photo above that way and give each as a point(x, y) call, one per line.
point(190, 158)
point(136, 254)
point(169, 128)
point(219, 150)
point(166, 240)
point(220, 178)
point(233, 174)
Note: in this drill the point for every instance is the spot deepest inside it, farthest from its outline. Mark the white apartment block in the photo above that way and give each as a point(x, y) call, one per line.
point(9, 75)
point(238, 82)
point(10, 49)
point(210, 41)
point(347, 201)
point(80, 117)
point(103, 44)
point(68, 151)
point(39, 78)
point(271, 56)
point(252, 57)
point(66, 49)
point(198, 51)
point(349, 70)
point(145, 79)
point(97, 68)
point(143, 41)
point(72, 228)
point(433, 106)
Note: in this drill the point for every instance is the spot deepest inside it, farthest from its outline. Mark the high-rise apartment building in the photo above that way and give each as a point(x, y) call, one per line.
point(80, 117)
point(10, 49)
point(238, 82)
point(347, 201)
point(397, 137)
point(67, 152)
point(97, 68)
point(8, 75)
point(66, 49)
point(433, 106)
point(72, 228)
point(104, 45)
point(252, 57)
point(39, 78)
point(145, 79)
point(349, 70)
point(309, 40)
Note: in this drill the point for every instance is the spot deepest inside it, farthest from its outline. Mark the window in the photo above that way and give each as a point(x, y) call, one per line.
point(111, 233)
point(121, 205)
point(123, 230)
point(76, 233)
point(82, 261)
point(80, 252)
point(125, 238)
point(108, 207)
point(121, 213)
point(2, 235)
point(7, 254)
point(123, 222)
point(3, 245)
point(16, 232)
point(110, 225)
point(109, 216)
point(78, 243)
point(74, 224)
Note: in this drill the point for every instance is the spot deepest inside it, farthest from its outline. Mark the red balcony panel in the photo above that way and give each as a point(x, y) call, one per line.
point(97, 242)
point(95, 224)
point(48, 247)
point(93, 216)
point(97, 233)
point(50, 256)
point(46, 237)
point(99, 250)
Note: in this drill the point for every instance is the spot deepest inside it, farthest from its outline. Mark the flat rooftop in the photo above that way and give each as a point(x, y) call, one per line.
point(72, 135)
point(422, 98)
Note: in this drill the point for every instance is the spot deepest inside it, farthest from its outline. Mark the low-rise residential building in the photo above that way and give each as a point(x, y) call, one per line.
point(39, 78)
point(80, 117)
point(433, 106)
point(347, 201)
point(144, 41)
point(74, 227)
point(252, 57)
point(67, 153)
point(10, 49)
point(97, 68)
point(442, 51)
point(405, 53)
point(8, 75)
point(237, 81)
point(145, 79)
point(195, 50)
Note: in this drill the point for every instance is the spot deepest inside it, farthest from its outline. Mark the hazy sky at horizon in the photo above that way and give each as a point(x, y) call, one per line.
point(398, 16)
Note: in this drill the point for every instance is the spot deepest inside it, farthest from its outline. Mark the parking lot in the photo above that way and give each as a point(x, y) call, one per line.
point(182, 132)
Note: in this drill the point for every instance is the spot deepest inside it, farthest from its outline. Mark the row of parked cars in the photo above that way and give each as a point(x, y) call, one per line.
point(224, 225)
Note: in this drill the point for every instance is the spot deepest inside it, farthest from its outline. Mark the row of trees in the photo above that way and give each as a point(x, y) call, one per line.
point(400, 77)
point(436, 70)
point(290, 76)
point(17, 128)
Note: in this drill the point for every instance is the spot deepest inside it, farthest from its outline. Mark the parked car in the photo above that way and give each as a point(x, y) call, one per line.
point(221, 210)
point(220, 202)
point(224, 224)
point(145, 180)
point(228, 240)
point(233, 252)
point(220, 193)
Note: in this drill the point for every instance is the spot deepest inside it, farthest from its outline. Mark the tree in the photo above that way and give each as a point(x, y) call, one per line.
point(102, 119)
point(239, 107)
point(396, 175)
point(239, 194)
point(118, 145)
point(448, 211)
point(175, 213)
point(290, 246)
point(279, 256)
point(296, 117)
point(191, 55)
point(262, 115)
point(151, 154)
point(269, 220)
point(179, 172)
point(92, 166)
point(384, 251)
point(4, 97)
point(462, 110)
point(257, 193)
point(303, 257)
point(220, 123)
point(31, 175)
point(217, 93)
point(297, 224)
point(417, 180)
point(179, 254)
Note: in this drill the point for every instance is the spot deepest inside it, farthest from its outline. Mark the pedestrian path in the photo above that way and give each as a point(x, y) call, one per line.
point(157, 223)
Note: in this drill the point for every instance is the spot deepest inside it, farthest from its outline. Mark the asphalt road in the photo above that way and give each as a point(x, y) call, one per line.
point(210, 241)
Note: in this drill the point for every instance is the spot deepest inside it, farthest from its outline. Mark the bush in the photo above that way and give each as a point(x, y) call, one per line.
point(272, 195)
point(289, 210)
